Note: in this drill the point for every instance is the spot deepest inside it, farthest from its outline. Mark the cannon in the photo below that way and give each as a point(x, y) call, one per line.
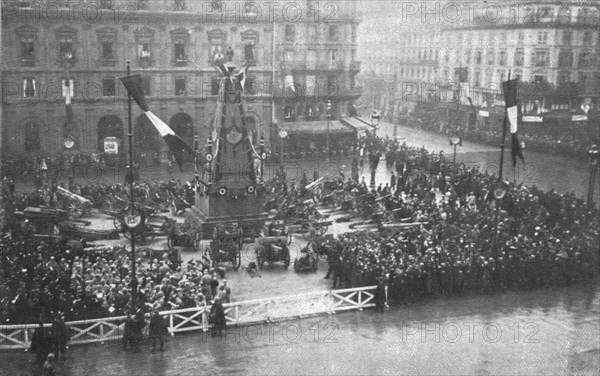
point(272, 249)
point(226, 244)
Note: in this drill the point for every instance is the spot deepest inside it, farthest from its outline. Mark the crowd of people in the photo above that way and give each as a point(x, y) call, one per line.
point(463, 239)
point(566, 140)
point(41, 278)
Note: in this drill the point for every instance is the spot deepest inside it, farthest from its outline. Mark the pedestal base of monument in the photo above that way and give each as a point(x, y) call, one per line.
point(211, 211)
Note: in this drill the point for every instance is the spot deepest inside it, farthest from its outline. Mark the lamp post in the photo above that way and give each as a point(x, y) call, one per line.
point(375, 118)
point(329, 109)
point(593, 156)
point(455, 141)
point(132, 220)
point(283, 133)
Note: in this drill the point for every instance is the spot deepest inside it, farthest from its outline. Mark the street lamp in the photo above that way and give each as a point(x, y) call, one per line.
point(499, 194)
point(593, 156)
point(283, 133)
point(375, 118)
point(329, 109)
point(455, 141)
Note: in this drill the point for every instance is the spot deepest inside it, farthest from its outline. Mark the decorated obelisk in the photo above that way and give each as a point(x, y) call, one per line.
point(230, 186)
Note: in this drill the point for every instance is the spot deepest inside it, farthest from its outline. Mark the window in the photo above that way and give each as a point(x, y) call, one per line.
point(587, 38)
point(216, 4)
point(142, 5)
point(332, 55)
point(180, 86)
point(567, 37)
point(491, 58)
point(215, 86)
point(290, 33)
point(503, 37)
point(180, 55)
point(332, 84)
point(144, 51)
point(539, 78)
point(564, 15)
point(29, 88)
point(584, 15)
point(180, 38)
point(32, 136)
point(249, 52)
point(501, 75)
point(146, 86)
point(564, 77)
point(546, 14)
point(519, 57)
point(27, 50)
point(108, 87)
point(333, 32)
point(478, 57)
point(502, 58)
point(542, 37)
point(289, 113)
point(521, 37)
point(312, 32)
point(565, 59)
point(107, 50)
point(179, 5)
point(477, 78)
point(66, 50)
point(353, 34)
point(541, 58)
point(586, 59)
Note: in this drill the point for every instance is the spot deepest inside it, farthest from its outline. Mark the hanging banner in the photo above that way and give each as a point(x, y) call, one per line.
point(111, 145)
point(484, 113)
point(532, 119)
point(579, 118)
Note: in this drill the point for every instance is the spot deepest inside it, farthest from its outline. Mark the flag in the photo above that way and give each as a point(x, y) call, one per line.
point(512, 112)
point(133, 84)
point(241, 77)
point(67, 92)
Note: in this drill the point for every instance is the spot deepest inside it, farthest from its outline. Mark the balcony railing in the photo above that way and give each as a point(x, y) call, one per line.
point(355, 66)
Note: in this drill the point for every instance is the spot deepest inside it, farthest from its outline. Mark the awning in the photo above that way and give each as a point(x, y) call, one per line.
point(357, 124)
point(317, 127)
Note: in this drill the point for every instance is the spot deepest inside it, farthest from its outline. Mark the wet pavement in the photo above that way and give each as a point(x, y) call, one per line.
point(547, 332)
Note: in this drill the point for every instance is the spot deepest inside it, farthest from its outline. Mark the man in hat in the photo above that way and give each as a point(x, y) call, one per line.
point(157, 330)
point(217, 318)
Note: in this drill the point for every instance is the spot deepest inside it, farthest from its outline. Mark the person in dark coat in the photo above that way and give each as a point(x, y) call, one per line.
point(157, 331)
point(217, 316)
point(40, 343)
point(129, 331)
point(61, 336)
point(380, 296)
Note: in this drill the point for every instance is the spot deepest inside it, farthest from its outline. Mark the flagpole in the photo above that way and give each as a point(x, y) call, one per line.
point(131, 194)
point(500, 169)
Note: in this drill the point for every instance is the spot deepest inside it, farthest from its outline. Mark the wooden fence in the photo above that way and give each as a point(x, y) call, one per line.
point(196, 319)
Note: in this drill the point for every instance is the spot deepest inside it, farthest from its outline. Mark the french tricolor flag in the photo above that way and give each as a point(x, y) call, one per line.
point(133, 84)
point(512, 112)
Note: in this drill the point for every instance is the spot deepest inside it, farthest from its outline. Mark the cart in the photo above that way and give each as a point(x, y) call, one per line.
point(226, 244)
point(272, 249)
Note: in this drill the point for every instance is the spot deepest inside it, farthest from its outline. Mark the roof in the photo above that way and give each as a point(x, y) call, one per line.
point(317, 127)
point(357, 124)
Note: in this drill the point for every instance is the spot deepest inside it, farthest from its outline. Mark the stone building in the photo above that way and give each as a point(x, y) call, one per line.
point(172, 44)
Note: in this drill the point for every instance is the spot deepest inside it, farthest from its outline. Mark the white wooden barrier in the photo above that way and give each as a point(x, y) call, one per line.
point(196, 319)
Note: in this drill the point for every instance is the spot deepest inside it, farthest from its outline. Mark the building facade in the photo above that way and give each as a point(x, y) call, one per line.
point(172, 44)
point(553, 45)
point(542, 42)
